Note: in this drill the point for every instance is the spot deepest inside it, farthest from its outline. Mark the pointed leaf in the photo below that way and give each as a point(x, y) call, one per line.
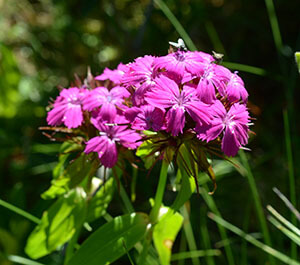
point(111, 240)
point(164, 234)
point(84, 166)
point(58, 224)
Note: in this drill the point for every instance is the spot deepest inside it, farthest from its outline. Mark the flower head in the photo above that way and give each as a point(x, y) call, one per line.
point(106, 100)
point(166, 94)
point(213, 78)
point(109, 138)
point(235, 89)
point(146, 118)
point(67, 108)
point(234, 124)
point(181, 62)
point(115, 75)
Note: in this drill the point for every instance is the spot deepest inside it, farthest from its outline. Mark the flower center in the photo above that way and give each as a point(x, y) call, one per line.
point(179, 56)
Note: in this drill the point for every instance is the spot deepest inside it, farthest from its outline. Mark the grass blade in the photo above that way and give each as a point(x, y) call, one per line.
point(284, 230)
point(188, 230)
point(212, 206)
point(205, 235)
point(19, 211)
point(257, 202)
point(292, 184)
point(271, 251)
point(274, 24)
point(196, 254)
point(21, 260)
point(245, 68)
point(283, 220)
point(287, 203)
point(179, 28)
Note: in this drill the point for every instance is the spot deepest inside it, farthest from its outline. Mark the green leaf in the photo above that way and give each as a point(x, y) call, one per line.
point(145, 152)
point(297, 59)
point(164, 234)
point(98, 204)
point(112, 240)
point(58, 224)
point(84, 166)
point(188, 184)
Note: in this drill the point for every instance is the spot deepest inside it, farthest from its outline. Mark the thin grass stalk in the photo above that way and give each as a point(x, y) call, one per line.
point(160, 191)
point(274, 24)
point(182, 248)
point(257, 203)
point(188, 231)
point(271, 251)
point(280, 218)
point(20, 260)
point(292, 184)
point(287, 203)
point(205, 235)
point(214, 37)
point(284, 230)
point(19, 211)
point(244, 255)
point(212, 206)
point(196, 254)
point(177, 25)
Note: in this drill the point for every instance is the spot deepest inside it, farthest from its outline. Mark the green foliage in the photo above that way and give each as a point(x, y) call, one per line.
point(164, 234)
point(112, 240)
point(58, 224)
point(83, 167)
point(100, 201)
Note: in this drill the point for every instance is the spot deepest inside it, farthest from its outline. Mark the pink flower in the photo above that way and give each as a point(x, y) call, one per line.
point(108, 101)
point(113, 75)
point(234, 124)
point(67, 108)
point(145, 118)
point(109, 137)
point(181, 62)
point(167, 95)
point(141, 76)
point(212, 78)
point(235, 89)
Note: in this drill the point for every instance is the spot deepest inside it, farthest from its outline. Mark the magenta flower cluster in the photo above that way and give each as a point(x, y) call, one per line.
point(182, 91)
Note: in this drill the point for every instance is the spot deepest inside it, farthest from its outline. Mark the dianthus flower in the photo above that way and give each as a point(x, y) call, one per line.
point(115, 75)
point(141, 76)
point(146, 118)
point(212, 78)
point(182, 62)
point(108, 101)
point(67, 108)
point(235, 89)
point(109, 137)
point(166, 95)
point(234, 124)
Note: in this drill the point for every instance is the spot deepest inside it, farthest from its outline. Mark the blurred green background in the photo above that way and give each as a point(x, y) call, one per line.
point(43, 43)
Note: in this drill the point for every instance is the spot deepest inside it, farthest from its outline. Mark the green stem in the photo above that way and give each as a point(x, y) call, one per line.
point(19, 211)
point(257, 203)
point(274, 24)
point(213, 207)
point(179, 28)
point(160, 191)
point(188, 231)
